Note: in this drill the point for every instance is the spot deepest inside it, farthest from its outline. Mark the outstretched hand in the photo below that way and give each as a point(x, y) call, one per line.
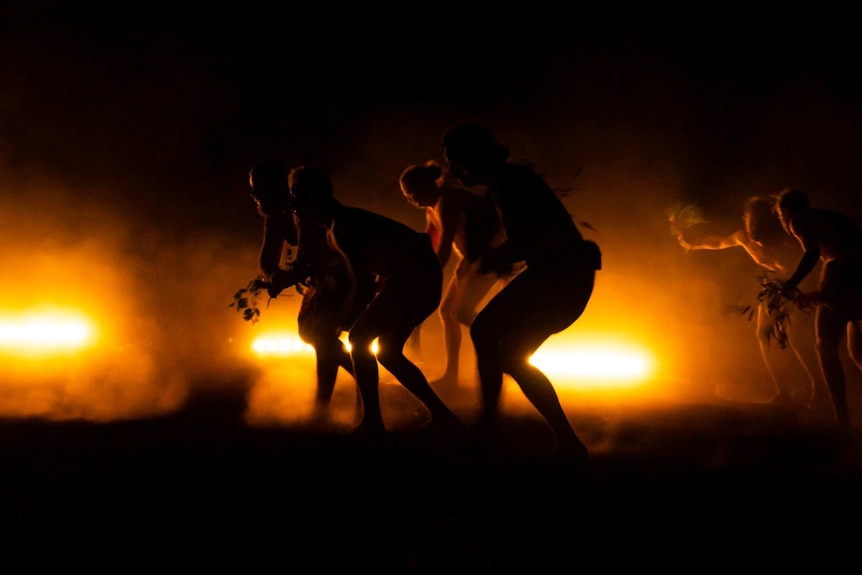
point(681, 239)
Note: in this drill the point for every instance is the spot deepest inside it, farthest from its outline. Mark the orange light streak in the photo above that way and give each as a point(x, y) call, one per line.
point(41, 332)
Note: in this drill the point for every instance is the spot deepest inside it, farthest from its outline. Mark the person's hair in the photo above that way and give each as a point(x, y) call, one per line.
point(474, 143)
point(268, 169)
point(306, 181)
point(765, 225)
point(760, 208)
point(791, 199)
point(417, 175)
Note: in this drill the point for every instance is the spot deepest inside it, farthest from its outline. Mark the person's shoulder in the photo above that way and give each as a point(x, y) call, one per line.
point(455, 200)
point(524, 173)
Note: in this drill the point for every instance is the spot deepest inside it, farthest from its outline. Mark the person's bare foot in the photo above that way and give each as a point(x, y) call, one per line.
point(368, 430)
point(570, 450)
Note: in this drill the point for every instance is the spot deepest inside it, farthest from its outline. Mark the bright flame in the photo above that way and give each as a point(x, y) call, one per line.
point(600, 365)
point(375, 346)
point(43, 332)
point(605, 365)
point(283, 344)
point(280, 344)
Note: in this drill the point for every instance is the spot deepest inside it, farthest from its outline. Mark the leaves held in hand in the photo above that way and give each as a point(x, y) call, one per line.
point(684, 216)
point(778, 306)
point(245, 300)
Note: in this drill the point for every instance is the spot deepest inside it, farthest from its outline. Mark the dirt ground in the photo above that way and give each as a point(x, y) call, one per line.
point(667, 483)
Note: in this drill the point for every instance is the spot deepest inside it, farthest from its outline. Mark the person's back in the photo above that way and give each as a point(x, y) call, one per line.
point(378, 243)
point(837, 235)
point(539, 228)
point(409, 288)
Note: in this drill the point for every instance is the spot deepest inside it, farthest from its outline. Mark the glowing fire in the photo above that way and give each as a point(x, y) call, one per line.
point(597, 364)
point(44, 332)
point(601, 365)
point(281, 344)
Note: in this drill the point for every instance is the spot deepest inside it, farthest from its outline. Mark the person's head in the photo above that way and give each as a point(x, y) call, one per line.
point(473, 153)
point(420, 184)
point(311, 196)
point(269, 189)
point(789, 204)
point(761, 220)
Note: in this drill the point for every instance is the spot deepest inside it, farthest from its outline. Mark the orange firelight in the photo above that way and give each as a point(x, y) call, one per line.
point(44, 332)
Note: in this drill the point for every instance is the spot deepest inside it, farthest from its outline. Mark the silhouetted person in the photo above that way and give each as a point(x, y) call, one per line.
point(316, 269)
point(410, 286)
point(765, 241)
point(835, 240)
point(544, 299)
point(466, 223)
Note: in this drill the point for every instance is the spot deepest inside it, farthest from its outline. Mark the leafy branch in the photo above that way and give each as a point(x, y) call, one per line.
point(778, 304)
point(245, 300)
point(684, 216)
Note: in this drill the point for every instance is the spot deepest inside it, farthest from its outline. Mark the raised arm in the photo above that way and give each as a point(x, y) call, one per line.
point(810, 256)
point(713, 242)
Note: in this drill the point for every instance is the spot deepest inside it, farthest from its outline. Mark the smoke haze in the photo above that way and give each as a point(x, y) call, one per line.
point(125, 145)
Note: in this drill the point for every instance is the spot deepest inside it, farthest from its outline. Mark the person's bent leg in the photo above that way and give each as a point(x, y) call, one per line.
point(328, 354)
point(539, 390)
point(451, 335)
point(367, 375)
point(409, 375)
point(829, 331)
point(485, 336)
point(854, 342)
point(783, 395)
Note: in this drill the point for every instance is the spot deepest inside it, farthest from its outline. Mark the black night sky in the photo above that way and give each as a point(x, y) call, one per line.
point(126, 136)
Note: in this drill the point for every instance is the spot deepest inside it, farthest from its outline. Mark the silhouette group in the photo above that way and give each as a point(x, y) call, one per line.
point(523, 272)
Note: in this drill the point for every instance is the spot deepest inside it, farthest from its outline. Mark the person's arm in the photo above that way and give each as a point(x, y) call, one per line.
point(806, 264)
point(276, 233)
point(808, 238)
point(270, 252)
point(450, 219)
point(810, 257)
point(713, 242)
point(334, 236)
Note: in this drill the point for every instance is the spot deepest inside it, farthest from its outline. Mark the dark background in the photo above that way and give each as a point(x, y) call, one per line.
point(126, 135)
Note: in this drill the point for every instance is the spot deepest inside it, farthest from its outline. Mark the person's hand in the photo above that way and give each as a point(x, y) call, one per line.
point(810, 299)
point(272, 290)
point(682, 241)
point(788, 291)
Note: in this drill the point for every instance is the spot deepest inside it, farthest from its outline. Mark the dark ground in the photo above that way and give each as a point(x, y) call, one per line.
point(668, 486)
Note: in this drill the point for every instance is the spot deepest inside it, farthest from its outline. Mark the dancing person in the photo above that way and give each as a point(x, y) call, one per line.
point(316, 270)
point(547, 297)
point(410, 287)
point(835, 240)
point(465, 223)
point(770, 247)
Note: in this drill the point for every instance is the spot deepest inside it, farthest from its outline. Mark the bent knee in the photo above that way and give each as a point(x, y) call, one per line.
point(360, 340)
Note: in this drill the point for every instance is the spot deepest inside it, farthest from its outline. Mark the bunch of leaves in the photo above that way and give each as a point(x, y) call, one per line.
point(778, 303)
point(684, 216)
point(245, 300)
